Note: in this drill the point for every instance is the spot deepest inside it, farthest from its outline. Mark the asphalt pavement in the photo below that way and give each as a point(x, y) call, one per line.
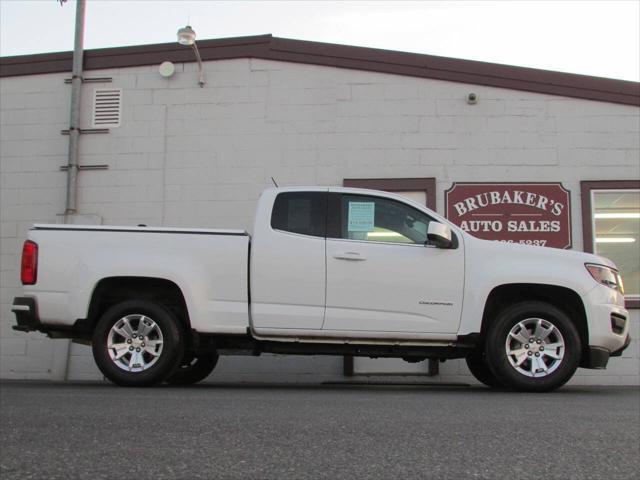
point(267, 431)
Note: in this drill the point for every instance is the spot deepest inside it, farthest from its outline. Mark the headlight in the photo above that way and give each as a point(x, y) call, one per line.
point(606, 276)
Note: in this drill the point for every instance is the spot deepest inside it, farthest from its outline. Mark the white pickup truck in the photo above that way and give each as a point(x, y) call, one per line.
point(333, 271)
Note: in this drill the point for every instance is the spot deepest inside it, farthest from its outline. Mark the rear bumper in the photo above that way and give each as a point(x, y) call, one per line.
point(26, 311)
point(28, 320)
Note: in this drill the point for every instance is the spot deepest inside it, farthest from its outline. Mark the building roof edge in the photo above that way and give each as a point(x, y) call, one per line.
point(342, 56)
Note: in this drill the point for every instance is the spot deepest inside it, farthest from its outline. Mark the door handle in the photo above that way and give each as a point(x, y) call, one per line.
point(354, 256)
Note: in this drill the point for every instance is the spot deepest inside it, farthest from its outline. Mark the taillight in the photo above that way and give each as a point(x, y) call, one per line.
point(29, 269)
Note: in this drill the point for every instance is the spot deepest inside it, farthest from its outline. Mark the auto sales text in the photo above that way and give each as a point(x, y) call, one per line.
point(475, 226)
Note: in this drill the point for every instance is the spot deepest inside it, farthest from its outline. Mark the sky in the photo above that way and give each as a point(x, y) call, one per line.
point(600, 38)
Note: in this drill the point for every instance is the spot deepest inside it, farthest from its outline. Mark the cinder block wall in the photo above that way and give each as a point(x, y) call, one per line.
point(189, 156)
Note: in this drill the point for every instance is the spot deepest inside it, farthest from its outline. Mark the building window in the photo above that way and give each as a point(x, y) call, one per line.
point(421, 190)
point(611, 228)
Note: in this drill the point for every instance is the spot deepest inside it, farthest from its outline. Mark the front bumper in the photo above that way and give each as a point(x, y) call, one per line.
point(598, 357)
point(608, 326)
point(618, 352)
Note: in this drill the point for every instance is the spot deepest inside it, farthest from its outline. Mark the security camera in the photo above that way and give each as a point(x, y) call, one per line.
point(472, 98)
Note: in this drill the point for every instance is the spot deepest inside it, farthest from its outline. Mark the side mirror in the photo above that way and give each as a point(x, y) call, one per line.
point(439, 235)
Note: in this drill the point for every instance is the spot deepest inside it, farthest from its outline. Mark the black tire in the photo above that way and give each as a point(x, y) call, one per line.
point(550, 368)
point(159, 326)
point(477, 364)
point(193, 369)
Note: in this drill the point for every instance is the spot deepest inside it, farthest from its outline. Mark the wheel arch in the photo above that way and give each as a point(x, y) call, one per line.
point(112, 290)
point(562, 298)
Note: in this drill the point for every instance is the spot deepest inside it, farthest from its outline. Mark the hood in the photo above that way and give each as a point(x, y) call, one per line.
point(515, 250)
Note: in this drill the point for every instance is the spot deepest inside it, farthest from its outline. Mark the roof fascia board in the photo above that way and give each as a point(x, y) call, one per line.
point(341, 56)
point(457, 70)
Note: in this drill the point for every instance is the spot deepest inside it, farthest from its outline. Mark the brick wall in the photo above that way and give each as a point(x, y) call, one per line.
point(189, 156)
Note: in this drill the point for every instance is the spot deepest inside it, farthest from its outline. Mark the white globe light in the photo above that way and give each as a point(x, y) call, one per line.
point(186, 36)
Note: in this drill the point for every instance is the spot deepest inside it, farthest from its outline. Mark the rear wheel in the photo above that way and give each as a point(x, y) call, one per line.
point(477, 364)
point(137, 343)
point(193, 369)
point(533, 346)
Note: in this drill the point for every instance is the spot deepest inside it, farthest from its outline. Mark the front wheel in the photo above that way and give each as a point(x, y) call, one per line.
point(137, 343)
point(533, 346)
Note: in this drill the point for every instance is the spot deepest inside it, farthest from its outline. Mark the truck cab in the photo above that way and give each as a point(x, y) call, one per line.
point(348, 263)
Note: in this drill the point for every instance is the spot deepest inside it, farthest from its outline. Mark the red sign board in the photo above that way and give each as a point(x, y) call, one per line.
point(527, 213)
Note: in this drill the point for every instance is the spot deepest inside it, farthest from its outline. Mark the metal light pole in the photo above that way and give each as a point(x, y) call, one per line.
point(74, 122)
point(61, 348)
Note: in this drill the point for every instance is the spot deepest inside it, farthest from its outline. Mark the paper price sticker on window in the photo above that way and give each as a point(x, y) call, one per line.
point(361, 216)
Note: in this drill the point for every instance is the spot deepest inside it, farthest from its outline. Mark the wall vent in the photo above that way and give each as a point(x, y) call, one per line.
point(107, 105)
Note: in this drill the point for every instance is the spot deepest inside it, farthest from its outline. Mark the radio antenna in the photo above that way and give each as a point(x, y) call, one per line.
point(274, 182)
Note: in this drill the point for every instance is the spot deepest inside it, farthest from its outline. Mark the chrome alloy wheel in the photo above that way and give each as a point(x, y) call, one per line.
point(134, 343)
point(535, 347)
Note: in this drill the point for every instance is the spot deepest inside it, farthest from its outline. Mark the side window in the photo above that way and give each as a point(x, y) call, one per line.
point(300, 212)
point(381, 220)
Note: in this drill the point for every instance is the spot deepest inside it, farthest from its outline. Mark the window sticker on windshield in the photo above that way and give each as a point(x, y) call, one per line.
point(361, 216)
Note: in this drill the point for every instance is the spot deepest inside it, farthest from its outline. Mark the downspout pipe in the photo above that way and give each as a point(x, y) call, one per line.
point(71, 207)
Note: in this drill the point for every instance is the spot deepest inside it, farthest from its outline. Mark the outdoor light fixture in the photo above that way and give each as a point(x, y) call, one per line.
point(187, 37)
point(615, 240)
point(622, 215)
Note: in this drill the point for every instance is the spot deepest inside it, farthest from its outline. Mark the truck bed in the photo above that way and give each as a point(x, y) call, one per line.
point(210, 267)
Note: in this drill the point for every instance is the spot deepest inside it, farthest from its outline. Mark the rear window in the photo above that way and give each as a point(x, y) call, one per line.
point(300, 212)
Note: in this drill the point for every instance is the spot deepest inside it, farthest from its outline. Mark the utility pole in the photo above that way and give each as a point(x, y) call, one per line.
point(61, 348)
point(71, 207)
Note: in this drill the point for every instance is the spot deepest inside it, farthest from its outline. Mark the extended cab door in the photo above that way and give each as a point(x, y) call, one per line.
point(287, 267)
point(380, 275)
